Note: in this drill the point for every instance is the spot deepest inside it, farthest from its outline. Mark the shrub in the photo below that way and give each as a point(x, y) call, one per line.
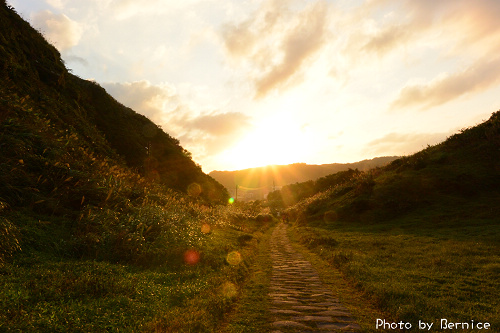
point(9, 234)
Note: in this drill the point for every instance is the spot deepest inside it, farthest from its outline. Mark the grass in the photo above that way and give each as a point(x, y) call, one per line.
point(44, 292)
point(414, 269)
point(251, 313)
point(91, 242)
point(418, 238)
point(362, 308)
point(98, 233)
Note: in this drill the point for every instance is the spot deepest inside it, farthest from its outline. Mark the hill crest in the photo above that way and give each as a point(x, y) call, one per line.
point(255, 183)
point(37, 87)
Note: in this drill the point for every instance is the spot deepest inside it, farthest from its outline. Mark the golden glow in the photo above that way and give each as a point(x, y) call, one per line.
point(191, 257)
point(205, 228)
point(229, 290)
point(233, 258)
point(277, 140)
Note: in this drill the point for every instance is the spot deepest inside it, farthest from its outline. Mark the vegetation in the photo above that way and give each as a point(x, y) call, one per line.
point(58, 283)
point(293, 193)
point(35, 80)
point(251, 313)
point(106, 224)
point(419, 237)
point(281, 175)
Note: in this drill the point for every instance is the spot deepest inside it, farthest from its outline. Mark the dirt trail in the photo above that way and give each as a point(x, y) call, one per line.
point(299, 300)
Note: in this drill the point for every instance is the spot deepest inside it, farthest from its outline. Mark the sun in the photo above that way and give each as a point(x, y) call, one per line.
point(276, 140)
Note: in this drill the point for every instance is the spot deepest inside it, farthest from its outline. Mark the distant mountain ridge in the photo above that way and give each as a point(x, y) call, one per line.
point(276, 176)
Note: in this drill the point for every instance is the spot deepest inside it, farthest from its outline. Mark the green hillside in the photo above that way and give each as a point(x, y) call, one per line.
point(420, 237)
point(106, 224)
point(34, 76)
point(463, 169)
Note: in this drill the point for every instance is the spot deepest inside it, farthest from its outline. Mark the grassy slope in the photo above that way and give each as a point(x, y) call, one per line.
point(93, 234)
point(420, 237)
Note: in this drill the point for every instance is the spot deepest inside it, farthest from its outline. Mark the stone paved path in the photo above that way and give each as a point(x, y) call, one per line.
point(299, 300)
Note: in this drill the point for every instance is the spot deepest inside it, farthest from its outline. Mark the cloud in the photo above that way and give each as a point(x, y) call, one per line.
point(276, 42)
point(126, 9)
point(478, 77)
point(307, 37)
point(76, 59)
point(384, 26)
point(402, 143)
point(59, 29)
point(429, 33)
point(56, 3)
point(210, 134)
point(388, 39)
point(203, 133)
point(238, 39)
point(477, 21)
point(221, 124)
point(246, 39)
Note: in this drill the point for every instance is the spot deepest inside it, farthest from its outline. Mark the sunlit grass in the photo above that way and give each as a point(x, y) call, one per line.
point(417, 274)
point(251, 313)
point(45, 293)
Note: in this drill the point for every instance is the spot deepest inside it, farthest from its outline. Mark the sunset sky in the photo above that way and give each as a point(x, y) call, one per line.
point(250, 83)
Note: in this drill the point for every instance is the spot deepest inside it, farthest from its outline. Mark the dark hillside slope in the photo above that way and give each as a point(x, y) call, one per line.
point(419, 238)
point(455, 180)
point(33, 76)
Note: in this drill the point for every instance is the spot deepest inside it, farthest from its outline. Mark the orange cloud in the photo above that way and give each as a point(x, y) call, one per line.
point(221, 123)
point(238, 39)
point(142, 96)
point(305, 39)
point(408, 21)
point(200, 132)
point(478, 77)
point(277, 42)
point(388, 39)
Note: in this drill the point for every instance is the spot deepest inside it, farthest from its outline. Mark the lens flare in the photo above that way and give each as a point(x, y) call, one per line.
point(229, 290)
point(231, 200)
point(191, 257)
point(330, 216)
point(233, 258)
point(205, 228)
point(194, 189)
